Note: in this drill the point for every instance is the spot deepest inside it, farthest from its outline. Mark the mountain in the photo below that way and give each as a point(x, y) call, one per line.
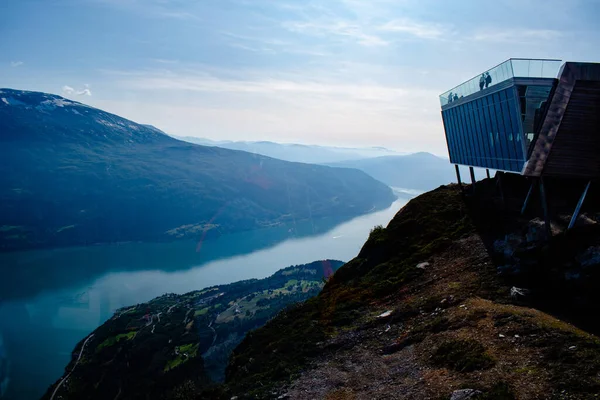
point(311, 154)
point(458, 297)
point(420, 171)
point(71, 174)
point(176, 345)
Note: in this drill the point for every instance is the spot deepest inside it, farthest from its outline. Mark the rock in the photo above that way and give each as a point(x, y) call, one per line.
point(385, 314)
point(464, 394)
point(501, 335)
point(508, 246)
point(572, 275)
point(586, 220)
point(423, 265)
point(590, 256)
point(573, 348)
point(515, 291)
point(536, 230)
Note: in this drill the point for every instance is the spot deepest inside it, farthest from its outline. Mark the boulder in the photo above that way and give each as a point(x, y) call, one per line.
point(464, 394)
point(423, 265)
point(591, 256)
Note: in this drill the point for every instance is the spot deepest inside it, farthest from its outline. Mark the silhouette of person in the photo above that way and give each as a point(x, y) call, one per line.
point(450, 97)
point(481, 81)
point(488, 79)
point(456, 97)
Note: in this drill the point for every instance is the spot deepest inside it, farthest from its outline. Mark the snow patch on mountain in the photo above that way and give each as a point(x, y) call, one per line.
point(62, 102)
point(12, 101)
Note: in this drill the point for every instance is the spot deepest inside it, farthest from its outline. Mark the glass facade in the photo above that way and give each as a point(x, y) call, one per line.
point(512, 68)
point(486, 132)
point(533, 101)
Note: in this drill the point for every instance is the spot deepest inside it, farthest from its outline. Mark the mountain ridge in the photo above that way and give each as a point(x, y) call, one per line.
point(422, 170)
point(75, 175)
point(295, 152)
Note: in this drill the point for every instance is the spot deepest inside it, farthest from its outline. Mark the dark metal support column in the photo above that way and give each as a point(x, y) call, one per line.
point(545, 208)
point(527, 197)
point(579, 204)
point(458, 176)
point(487, 172)
point(472, 172)
point(499, 185)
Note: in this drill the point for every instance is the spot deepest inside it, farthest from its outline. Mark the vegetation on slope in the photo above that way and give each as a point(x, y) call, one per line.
point(426, 309)
point(74, 175)
point(176, 345)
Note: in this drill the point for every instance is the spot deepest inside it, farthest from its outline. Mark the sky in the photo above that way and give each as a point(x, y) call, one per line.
point(331, 72)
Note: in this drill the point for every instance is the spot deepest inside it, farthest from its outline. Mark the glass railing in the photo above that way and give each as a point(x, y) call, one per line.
point(512, 68)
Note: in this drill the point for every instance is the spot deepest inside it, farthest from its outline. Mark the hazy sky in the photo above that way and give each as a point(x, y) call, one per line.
point(344, 72)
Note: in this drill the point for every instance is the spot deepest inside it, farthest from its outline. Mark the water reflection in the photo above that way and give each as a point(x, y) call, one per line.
point(27, 273)
point(56, 298)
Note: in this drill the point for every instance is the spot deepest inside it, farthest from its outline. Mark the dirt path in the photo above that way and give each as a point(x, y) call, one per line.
point(75, 366)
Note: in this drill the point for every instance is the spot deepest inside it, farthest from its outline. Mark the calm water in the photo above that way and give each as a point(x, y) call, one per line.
point(51, 299)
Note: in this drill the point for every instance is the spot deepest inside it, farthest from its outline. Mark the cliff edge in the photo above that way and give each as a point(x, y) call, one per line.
point(458, 297)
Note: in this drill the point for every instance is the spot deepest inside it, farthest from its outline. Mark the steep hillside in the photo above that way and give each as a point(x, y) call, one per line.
point(73, 175)
point(453, 300)
point(421, 171)
point(175, 345)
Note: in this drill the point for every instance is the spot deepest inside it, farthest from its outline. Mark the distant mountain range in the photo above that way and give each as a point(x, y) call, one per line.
point(420, 171)
point(71, 174)
point(312, 154)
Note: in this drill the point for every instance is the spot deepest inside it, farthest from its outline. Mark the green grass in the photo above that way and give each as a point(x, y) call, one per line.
point(203, 311)
point(112, 340)
point(291, 282)
point(462, 356)
point(191, 350)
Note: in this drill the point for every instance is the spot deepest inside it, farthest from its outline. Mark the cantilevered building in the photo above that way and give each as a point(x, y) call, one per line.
point(535, 118)
point(529, 117)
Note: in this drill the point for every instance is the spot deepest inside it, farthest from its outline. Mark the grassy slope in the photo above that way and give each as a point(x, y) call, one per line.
point(175, 344)
point(451, 326)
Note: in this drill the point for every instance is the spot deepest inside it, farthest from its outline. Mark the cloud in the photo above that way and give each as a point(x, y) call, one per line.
point(306, 91)
point(269, 45)
point(164, 61)
point(15, 64)
point(416, 29)
point(339, 28)
point(522, 36)
point(69, 91)
point(151, 8)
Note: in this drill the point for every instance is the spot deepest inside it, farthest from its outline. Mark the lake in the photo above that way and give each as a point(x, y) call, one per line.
point(51, 299)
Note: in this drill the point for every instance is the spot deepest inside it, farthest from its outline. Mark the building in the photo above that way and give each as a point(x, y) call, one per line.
point(530, 117)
